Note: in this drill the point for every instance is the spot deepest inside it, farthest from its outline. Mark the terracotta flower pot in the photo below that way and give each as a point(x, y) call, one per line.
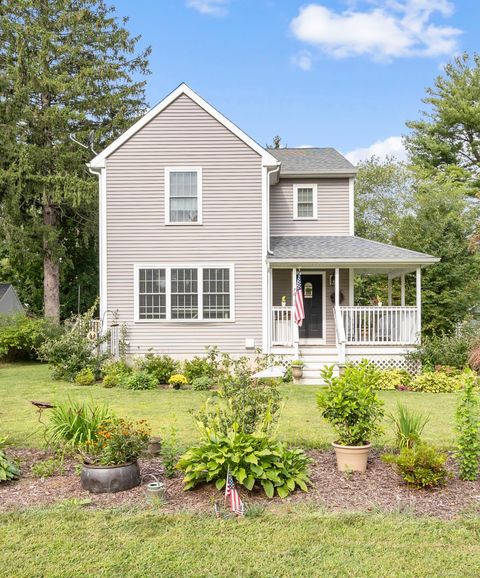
point(110, 479)
point(351, 458)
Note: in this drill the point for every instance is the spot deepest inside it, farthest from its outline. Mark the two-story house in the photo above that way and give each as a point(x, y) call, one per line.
point(203, 233)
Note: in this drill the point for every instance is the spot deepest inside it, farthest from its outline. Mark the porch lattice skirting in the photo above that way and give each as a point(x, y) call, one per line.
point(385, 362)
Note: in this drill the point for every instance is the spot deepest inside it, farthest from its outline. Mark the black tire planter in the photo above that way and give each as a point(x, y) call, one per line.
point(110, 479)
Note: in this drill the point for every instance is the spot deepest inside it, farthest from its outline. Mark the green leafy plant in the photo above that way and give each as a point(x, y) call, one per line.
point(169, 452)
point(443, 349)
point(177, 381)
point(350, 403)
point(199, 367)
point(252, 461)
point(240, 404)
point(74, 423)
point(75, 349)
point(85, 377)
point(438, 382)
point(162, 367)
point(422, 466)
point(201, 383)
point(115, 373)
point(297, 363)
point(47, 468)
point(139, 380)
point(117, 442)
point(8, 468)
point(408, 426)
point(21, 335)
point(389, 379)
point(468, 428)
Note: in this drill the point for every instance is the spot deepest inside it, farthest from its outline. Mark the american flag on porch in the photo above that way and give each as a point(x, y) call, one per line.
point(299, 311)
point(236, 504)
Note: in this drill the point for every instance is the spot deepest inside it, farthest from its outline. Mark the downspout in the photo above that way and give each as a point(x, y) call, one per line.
point(269, 173)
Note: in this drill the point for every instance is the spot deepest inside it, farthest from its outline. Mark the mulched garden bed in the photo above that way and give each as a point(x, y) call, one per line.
point(379, 489)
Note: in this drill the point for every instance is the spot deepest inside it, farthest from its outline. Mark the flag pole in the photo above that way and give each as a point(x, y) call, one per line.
point(226, 489)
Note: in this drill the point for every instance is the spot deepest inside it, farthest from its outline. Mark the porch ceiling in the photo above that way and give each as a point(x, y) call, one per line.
point(346, 251)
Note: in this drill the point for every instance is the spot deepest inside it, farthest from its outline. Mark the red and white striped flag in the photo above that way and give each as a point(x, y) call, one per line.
point(236, 504)
point(299, 311)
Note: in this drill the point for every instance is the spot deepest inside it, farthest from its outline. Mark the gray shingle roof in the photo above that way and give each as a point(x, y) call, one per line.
point(312, 161)
point(346, 248)
point(3, 289)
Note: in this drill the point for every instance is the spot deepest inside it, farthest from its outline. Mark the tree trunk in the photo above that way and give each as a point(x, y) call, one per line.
point(51, 269)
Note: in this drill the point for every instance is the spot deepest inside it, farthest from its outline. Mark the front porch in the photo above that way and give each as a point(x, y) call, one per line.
point(337, 328)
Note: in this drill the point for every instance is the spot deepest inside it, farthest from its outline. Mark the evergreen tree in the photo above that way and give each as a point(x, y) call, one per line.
point(67, 67)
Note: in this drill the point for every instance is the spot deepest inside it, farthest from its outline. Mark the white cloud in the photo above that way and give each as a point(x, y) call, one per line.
point(391, 146)
point(391, 29)
point(210, 7)
point(303, 60)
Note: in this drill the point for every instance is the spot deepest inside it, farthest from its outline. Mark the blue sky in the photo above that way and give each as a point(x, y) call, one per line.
point(342, 73)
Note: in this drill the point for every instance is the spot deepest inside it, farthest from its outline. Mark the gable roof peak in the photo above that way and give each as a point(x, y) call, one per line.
point(99, 161)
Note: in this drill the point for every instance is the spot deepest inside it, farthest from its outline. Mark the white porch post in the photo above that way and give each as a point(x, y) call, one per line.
point(389, 291)
point(351, 286)
point(402, 289)
point(337, 287)
point(418, 288)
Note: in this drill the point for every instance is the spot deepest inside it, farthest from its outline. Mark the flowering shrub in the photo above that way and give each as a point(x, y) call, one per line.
point(177, 381)
point(118, 441)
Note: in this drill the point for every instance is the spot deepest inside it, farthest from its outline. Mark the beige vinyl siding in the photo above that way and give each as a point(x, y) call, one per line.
point(184, 134)
point(282, 285)
point(332, 208)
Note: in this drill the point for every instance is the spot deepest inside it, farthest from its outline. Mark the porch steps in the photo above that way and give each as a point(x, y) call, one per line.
point(315, 358)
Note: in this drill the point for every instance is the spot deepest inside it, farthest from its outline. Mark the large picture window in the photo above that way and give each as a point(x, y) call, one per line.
point(183, 196)
point(184, 293)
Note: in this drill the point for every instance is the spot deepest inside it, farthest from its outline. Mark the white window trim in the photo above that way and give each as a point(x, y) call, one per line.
point(314, 188)
point(185, 169)
point(168, 276)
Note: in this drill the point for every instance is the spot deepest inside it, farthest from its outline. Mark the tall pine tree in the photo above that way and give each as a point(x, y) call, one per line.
point(67, 67)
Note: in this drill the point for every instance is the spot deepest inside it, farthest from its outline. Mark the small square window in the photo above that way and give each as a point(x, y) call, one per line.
point(305, 202)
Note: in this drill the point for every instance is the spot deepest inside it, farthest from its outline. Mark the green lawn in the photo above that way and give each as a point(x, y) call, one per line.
point(289, 542)
point(300, 421)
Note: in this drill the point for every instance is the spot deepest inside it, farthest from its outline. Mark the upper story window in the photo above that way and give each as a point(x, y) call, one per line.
point(183, 196)
point(184, 293)
point(305, 202)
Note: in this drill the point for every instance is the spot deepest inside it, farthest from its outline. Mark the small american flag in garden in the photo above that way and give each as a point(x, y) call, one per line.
point(299, 311)
point(236, 504)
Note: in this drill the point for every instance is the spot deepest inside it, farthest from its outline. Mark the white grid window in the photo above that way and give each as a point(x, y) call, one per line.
point(183, 191)
point(152, 294)
point(305, 202)
point(216, 293)
point(184, 294)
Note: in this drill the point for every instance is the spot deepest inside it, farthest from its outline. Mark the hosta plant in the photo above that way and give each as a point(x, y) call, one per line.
point(253, 460)
point(8, 468)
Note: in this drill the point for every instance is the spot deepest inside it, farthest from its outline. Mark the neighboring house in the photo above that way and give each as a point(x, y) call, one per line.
point(203, 231)
point(9, 301)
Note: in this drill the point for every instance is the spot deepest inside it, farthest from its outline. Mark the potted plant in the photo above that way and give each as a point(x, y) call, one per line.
point(110, 460)
point(297, 368)
point(350, 404)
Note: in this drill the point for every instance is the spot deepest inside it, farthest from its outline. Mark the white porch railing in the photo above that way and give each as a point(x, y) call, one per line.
point(380, 325)
point(282, 326)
